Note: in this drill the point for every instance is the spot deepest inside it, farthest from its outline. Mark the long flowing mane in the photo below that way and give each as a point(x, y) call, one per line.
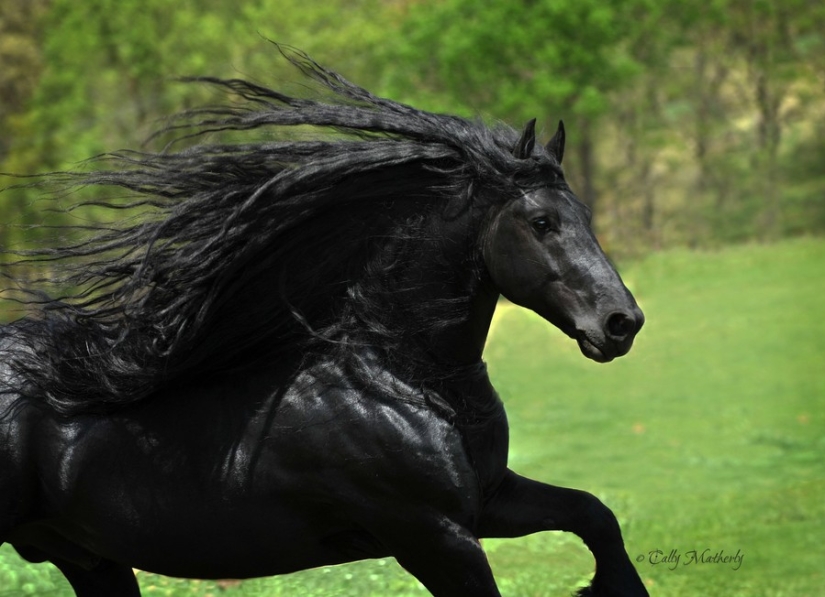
point(246, 247)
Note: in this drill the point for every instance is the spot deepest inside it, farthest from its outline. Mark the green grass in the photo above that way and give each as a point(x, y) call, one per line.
point(709, 435)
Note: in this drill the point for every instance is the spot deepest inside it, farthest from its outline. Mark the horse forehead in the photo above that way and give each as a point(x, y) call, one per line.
point(558, 199)
point(569, 199)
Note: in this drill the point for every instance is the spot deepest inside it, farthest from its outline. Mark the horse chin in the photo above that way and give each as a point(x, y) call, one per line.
point(591, 351)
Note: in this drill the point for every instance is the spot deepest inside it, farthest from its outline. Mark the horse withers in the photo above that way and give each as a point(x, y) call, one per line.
point(278, 365)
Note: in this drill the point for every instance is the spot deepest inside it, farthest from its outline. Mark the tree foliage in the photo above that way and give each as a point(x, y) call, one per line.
point(687, 123)
point(518, 60)
point(20, 58)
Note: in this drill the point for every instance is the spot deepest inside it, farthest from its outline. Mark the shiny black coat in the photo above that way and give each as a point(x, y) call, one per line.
point(283, 369)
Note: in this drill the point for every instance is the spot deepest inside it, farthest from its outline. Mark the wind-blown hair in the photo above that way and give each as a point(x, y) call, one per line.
point(247, 248)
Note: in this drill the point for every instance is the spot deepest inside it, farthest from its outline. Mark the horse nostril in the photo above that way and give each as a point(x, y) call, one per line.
point(620, 326)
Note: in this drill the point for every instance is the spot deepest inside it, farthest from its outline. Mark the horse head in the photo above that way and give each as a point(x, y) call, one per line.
point(541, 254)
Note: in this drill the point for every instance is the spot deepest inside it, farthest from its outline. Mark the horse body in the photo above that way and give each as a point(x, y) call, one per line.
point(379, 434)
point(256, 481)
point(260, 478)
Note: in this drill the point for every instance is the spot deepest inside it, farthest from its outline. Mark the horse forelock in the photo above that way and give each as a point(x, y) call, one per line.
point(241, 245)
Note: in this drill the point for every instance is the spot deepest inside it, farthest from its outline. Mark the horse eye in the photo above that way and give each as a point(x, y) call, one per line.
point(542, 225)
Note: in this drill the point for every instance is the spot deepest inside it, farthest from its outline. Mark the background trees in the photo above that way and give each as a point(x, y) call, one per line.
point(687, 124)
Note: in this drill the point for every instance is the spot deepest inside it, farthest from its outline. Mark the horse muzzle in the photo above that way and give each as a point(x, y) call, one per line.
point(613, 338)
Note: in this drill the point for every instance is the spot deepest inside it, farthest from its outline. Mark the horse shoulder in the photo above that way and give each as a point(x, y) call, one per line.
point(372, 443)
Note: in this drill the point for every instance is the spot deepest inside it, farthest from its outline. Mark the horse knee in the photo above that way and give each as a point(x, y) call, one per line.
point(594, 522)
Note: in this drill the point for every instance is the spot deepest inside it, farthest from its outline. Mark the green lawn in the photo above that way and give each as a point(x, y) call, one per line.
point(710, 435)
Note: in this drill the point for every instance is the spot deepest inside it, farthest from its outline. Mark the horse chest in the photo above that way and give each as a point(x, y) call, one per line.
point(350, 444)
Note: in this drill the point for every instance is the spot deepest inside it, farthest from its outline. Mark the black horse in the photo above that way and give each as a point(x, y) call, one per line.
point(277, 365)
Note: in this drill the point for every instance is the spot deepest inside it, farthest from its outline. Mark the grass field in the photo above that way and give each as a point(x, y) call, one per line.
point(710, 436)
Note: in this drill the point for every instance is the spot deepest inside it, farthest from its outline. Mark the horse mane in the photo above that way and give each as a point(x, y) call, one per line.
point(245, 244)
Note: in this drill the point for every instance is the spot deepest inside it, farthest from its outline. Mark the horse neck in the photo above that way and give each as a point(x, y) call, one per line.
point(449, 285)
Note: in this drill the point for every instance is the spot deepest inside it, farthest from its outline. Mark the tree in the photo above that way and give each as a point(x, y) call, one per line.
point(109, 65)
point(687, 123)
point(517, 60)
point(20, 61)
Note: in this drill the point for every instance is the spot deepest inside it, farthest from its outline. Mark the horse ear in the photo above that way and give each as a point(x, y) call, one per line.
point(525, 145)
point(556, 144)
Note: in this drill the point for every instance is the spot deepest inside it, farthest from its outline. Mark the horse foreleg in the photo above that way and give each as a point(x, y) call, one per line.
point(521, 506)
point(106, 579)
point(445, 557)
